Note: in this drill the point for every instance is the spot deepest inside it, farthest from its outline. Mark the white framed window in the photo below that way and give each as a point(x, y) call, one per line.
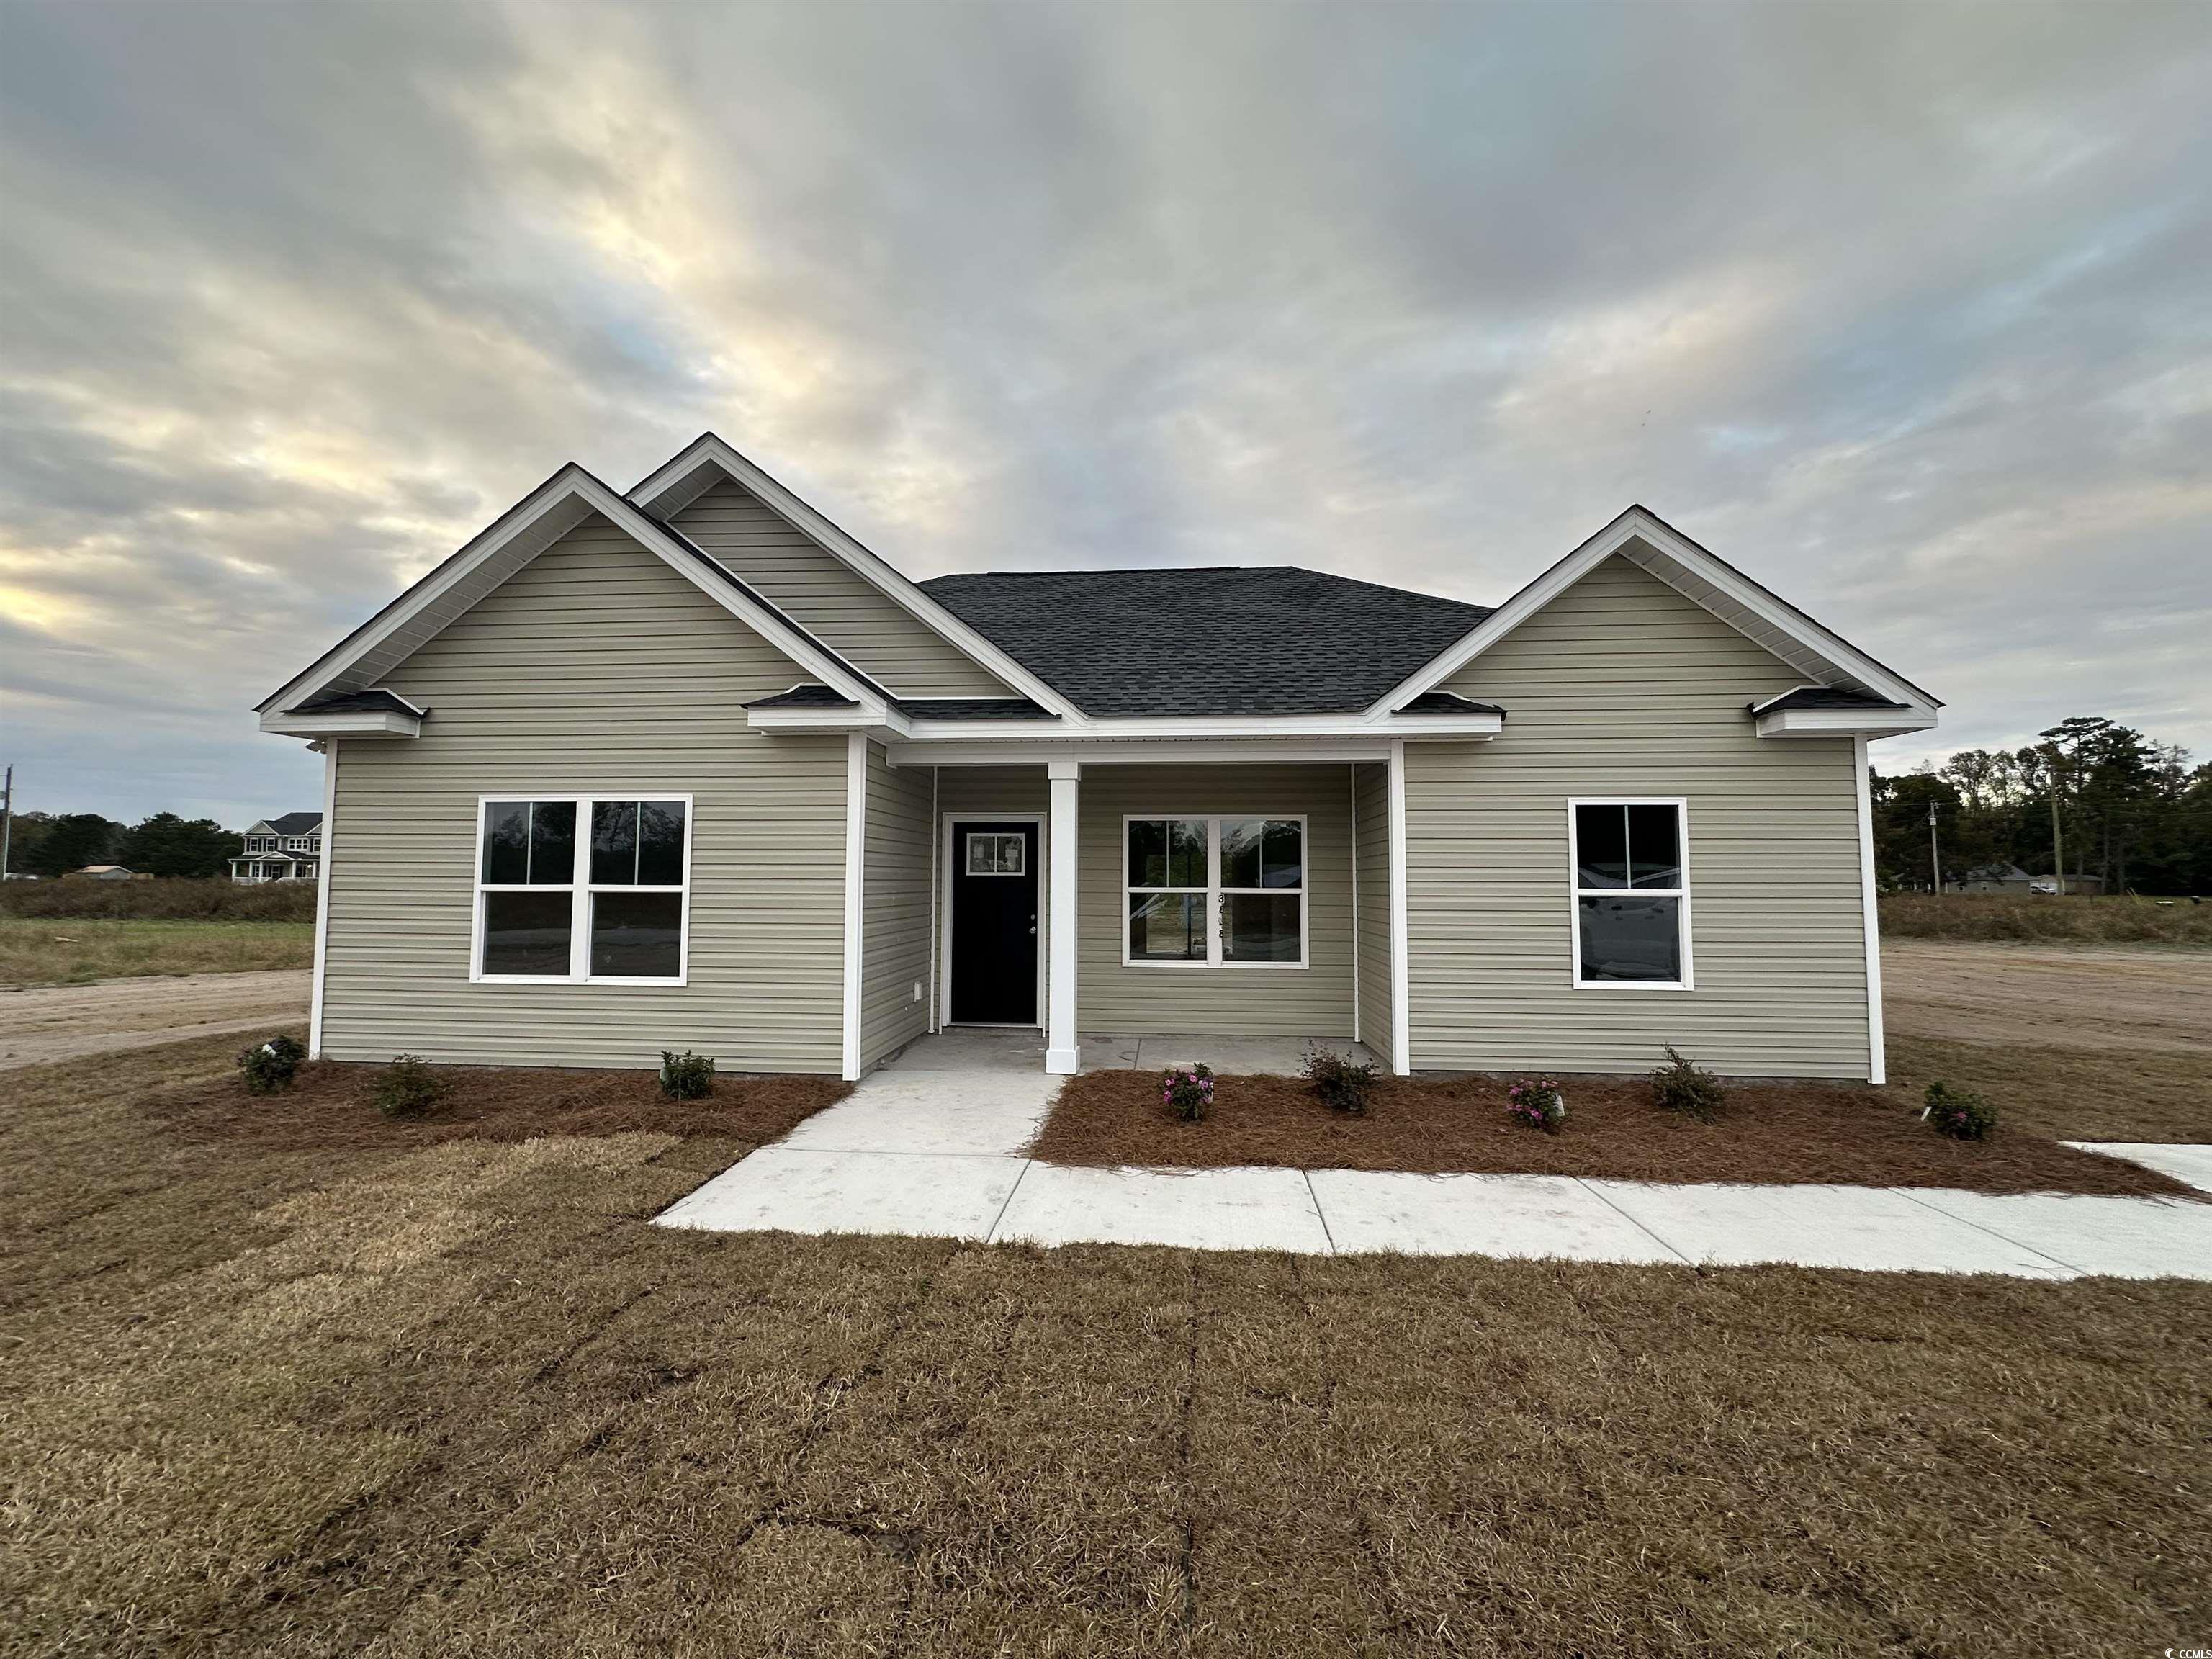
point(993, 854)
point(1213, 892)
point(582, 889)
point(1628, 861)
point(295, 843)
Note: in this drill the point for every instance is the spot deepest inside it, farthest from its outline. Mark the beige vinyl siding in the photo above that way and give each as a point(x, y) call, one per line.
point(1312, 1001)
point(894, 909)
point(595, 667)
point(974, 789)
point(1621, 686)
point(1371, 808)
point(835, 602)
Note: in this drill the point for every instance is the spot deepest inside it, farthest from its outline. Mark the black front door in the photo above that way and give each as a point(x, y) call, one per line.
point(995, 924)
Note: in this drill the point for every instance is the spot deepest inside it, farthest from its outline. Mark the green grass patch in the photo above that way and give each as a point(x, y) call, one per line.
point(2045, 919)
point(75, 949)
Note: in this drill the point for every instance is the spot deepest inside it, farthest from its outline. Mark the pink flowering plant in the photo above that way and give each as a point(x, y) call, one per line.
point(1188, 1092)
point(1959, 1113)
point(1537, 1102)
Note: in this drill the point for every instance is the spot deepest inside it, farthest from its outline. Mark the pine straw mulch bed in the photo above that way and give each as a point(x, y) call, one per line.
point(331, 1104)
point(1776, 1133)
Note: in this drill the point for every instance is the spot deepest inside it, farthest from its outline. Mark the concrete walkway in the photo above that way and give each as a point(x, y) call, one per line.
point(933, 1146)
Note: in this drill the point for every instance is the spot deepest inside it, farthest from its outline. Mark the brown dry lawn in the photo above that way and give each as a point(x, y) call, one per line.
point(1771, 1133)
point(284, 1390)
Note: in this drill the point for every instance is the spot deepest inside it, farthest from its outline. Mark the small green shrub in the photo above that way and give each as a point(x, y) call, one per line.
point(1188, 1092)
point(1345, 1085)
point(1537, 1102)
point(686, 1076)
point(270, 1066)
point(1960, 1113)
point(1683, 1085)
point(409, 1088)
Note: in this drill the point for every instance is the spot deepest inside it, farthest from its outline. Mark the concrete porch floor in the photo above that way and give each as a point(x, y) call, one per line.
point(933, 1144)
point(994, 1048)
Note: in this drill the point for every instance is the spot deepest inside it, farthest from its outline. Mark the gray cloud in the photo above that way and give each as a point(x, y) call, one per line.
point(1902, 310)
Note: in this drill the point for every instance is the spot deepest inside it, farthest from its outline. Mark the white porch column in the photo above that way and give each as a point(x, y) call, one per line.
point(1401, 975)
point(1063, 1046)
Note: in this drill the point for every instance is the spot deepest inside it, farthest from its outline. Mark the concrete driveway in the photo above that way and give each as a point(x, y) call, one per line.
point(60, 1022)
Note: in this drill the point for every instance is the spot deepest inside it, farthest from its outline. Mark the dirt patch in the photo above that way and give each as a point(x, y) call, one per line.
point(64, 1022)
point(331, 1105)
point(2108, 999)
point(1773, 1133)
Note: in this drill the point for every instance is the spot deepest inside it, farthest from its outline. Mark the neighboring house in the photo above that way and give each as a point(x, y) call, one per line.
point(104, 872)
point(1992, 878)
point(287, 848)
point(691, 768)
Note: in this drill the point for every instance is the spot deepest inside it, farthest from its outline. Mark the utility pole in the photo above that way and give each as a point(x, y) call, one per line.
point(2058, 850)
point(7, 819)
point(1934, 863)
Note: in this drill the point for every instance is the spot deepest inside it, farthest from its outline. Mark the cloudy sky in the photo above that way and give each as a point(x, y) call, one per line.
point(1906, 310)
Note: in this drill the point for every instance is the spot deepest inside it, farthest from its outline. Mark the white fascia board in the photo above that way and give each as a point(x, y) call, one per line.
point(1823, 646)
point(566, 499)
point(709, 448)
point(1181, 752)
point(878, 719)
point(1183, 728)
point(386, 723)
point(1844, 722)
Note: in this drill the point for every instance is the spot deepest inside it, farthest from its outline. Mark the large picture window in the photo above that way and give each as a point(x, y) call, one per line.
point(1215, 892)
point(583, 888)
point(1631, 893)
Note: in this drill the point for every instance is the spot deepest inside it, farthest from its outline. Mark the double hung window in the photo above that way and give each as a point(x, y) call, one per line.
point(1631, 893)
point(583, 888)
point(1221, 892)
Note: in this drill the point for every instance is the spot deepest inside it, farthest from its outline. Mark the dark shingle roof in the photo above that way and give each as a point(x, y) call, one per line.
point(295, 823)
point(1823, 696)
point(1447, 702)
point(376, 700)
point(804, 696)
point(974, 709)
point(1228, 640)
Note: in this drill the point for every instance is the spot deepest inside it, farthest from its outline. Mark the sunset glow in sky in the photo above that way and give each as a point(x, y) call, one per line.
point(1905, 311)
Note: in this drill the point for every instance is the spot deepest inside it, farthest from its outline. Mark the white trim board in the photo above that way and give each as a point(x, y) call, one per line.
point(1646, 540)
point(526, 530)
point(1401, 973)
point(856, 877)
point(676, 482)
point(1870, 915)
point(324, 873)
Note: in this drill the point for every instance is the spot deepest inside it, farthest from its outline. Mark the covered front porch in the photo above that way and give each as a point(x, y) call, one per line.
point(1240, 907)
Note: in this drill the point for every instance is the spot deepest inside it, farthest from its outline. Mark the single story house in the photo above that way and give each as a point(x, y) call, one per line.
point(689, 767)
point(285, 849)
point(104, 872)
point(1992, 878)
